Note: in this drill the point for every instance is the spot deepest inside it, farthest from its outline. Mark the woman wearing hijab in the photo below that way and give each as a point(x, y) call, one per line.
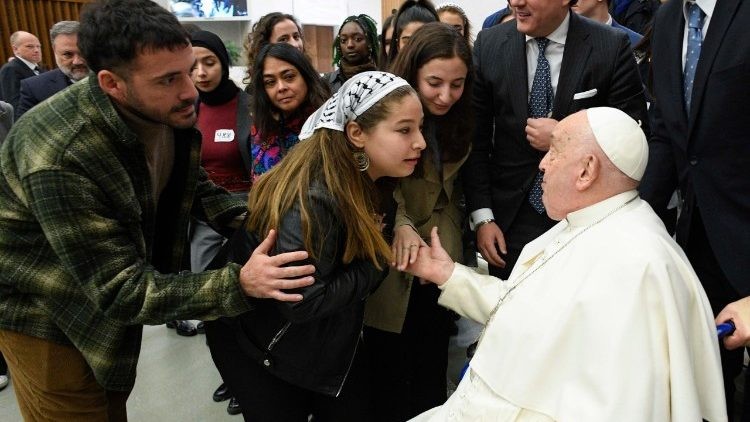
point(355, 50)
point(283, 362)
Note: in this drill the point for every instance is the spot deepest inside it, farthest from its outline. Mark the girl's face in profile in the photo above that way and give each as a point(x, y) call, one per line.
point(394, 145)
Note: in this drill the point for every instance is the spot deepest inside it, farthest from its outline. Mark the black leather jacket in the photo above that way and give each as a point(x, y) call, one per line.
point(310, 343)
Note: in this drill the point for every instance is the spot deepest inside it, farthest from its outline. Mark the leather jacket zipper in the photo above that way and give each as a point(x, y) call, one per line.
point(278, 336)
point(351, 362)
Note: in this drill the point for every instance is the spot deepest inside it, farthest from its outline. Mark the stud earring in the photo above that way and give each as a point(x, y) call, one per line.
point(362, 160)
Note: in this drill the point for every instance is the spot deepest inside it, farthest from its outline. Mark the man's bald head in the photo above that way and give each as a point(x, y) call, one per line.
point(578, 169)
point(26, 46)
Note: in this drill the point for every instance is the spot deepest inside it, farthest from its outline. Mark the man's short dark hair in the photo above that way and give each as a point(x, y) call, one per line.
point(114, 32)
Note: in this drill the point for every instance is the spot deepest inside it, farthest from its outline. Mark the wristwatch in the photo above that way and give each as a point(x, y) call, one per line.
point(483, 222)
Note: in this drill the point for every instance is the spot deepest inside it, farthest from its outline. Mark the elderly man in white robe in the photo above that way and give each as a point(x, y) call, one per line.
point(602, 318)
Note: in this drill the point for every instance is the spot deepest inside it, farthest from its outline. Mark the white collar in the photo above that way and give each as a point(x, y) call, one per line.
point(31, 65)
point(595, 212)
point(609, 20)
point(560, 34)
point(706, 5)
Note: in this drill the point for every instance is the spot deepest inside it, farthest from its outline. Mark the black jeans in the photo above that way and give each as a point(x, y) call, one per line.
point(409, 369)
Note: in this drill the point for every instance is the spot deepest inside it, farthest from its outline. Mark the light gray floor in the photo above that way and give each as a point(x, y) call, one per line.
point(176, 378)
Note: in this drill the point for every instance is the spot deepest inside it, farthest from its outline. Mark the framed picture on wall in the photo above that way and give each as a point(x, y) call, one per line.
point(196, 10)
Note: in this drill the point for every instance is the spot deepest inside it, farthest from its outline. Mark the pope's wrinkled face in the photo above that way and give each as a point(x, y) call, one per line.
point(562, 165)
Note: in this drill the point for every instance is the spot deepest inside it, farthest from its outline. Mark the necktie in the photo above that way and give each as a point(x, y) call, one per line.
point(540, 105)
point(694, 42)
point(37, 70)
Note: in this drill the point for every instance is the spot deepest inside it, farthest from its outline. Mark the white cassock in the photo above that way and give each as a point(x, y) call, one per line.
point(608, 323)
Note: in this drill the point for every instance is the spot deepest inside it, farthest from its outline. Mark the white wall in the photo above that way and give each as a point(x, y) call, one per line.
point(330, 12)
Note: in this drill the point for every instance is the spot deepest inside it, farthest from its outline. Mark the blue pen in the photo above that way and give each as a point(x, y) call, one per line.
point(724, 329)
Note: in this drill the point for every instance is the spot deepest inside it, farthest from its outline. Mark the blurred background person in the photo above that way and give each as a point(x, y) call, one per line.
point(598, 10)
point(71, 68)
point(272, 28)
point(453, 15)
point(386, 34)
point(410, 16)
point(406, 331)
point(6, 121)
point(355, 50)
point(27, 62)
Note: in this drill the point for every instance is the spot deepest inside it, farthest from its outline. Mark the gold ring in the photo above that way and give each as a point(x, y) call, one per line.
point(413, 245)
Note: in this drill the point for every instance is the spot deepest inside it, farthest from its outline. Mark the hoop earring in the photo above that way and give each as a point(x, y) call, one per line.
point(361, 160)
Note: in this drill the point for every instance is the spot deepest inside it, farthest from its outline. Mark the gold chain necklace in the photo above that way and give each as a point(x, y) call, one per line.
point(544, 259)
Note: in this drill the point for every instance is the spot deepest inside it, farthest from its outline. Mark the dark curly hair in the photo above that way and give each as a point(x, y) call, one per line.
point(114, 32)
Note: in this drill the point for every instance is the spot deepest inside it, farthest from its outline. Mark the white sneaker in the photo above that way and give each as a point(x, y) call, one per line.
point(3, 381)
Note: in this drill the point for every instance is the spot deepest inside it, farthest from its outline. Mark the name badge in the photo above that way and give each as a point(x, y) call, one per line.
point(224, 135)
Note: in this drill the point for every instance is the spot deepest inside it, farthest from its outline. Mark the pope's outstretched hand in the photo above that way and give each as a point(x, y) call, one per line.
point(433, 263)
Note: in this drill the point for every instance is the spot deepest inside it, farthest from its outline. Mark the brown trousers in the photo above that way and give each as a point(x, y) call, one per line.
point(53, 382)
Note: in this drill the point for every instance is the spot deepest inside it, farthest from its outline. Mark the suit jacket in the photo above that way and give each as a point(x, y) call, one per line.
point(502, 165)
point(633, 36)
point(6, 120)
point(11, 75)
point(706, 153)
point(38, 88)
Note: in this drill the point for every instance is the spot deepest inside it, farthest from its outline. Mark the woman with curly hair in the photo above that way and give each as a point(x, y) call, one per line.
point(355, 50)
point(272, 28)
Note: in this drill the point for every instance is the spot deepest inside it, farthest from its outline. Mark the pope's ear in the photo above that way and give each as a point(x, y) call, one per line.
point(589, 172)
point(355, 134)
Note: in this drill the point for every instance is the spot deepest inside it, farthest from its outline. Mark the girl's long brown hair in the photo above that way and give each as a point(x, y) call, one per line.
point(327, 157)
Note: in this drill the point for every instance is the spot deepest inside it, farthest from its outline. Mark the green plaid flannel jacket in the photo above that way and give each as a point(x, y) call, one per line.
point(85, 258)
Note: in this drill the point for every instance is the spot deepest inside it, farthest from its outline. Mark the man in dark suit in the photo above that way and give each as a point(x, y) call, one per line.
point(700, 144)
point(598, 10)
point(71, 67)
point(584, 64)
point(26, 63)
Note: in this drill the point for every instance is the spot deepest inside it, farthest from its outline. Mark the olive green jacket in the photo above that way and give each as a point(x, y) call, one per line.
point(86, 256)
point(422, 203)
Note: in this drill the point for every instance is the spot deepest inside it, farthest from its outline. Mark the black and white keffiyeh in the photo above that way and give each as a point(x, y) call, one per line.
point(356, 95)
